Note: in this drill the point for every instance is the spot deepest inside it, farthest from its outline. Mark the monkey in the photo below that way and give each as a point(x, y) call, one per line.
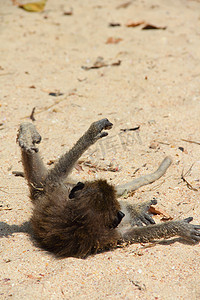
point(81, 219)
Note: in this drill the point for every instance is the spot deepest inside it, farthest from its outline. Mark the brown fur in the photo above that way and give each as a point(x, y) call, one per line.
point(79, 226)
point(78, 220)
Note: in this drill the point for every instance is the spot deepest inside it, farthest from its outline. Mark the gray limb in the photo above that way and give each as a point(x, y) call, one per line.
point(144, 180)
point(35, 171)
point(165, 230)
point(139, 213)
point(67, 161)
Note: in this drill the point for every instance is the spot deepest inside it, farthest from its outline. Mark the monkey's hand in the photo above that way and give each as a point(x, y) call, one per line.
point(188, 231)
point(95, 131)
point(139, 213)
point(27, 137)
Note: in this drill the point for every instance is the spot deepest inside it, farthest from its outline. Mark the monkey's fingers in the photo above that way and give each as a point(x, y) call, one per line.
point(192, 232)
point(188, 220)
point(142, 219)
point(149, 220)
point(99, 126)
point(195, 233)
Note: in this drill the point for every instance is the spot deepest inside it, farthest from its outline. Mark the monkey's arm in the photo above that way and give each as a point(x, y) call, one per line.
point(165, 230)
point(35, 171)
point(67, 161)
point(144, 180)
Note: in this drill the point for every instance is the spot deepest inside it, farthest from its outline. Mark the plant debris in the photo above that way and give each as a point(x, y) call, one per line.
point(140, 286)
point(184, 179)
point(155, 210)
point(150, 26)
point(34, 6)
point(146, 26)
point(4, 206)
point(68, 12)
point(32, 114)
point(100, 63)
point(112, 24)
point(134, 24)
point(112, 40)
point(192, 142)
point(130, 129)
point(55, 94)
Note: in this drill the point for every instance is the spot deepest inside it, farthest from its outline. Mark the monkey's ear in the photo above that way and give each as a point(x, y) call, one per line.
point(79, 186)
point(118, 219)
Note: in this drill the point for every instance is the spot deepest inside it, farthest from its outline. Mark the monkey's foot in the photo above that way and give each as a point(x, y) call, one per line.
point(27, 137)
point(96, 128)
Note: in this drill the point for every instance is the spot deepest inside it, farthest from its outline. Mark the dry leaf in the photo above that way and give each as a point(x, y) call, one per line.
point(100, 63)
point(34, 6)
point(134, 24)
point(150, 26)
point(68, 12)
point(157, 211)
point(55, 94)
point(112, 24)
point(112, 40)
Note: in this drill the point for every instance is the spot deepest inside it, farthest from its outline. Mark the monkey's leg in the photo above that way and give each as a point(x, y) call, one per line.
point(35, 171)
point(165, 230)
point(67, 161)
point(144, 180)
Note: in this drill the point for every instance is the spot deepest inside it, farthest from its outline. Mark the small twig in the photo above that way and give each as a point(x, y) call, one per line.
point(189, 141)
point(100, 63)
point(163, 143)
point(32, 114)
point(157, 186)
point(140, 286)
point(187, 183)
point(3, 191)
point(131, 129)
point(136, 170)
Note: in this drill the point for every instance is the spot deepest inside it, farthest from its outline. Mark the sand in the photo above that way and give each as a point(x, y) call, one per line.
point(150, 79)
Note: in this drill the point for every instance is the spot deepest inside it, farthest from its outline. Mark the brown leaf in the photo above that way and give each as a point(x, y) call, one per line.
point(112, 40)
point(157, 211)
point(134, 24)
point(68, 13)
point(116, 63)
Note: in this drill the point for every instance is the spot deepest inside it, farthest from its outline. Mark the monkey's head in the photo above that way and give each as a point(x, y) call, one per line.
point(99, 199)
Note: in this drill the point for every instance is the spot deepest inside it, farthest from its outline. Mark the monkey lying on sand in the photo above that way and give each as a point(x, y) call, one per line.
point(82, 219)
